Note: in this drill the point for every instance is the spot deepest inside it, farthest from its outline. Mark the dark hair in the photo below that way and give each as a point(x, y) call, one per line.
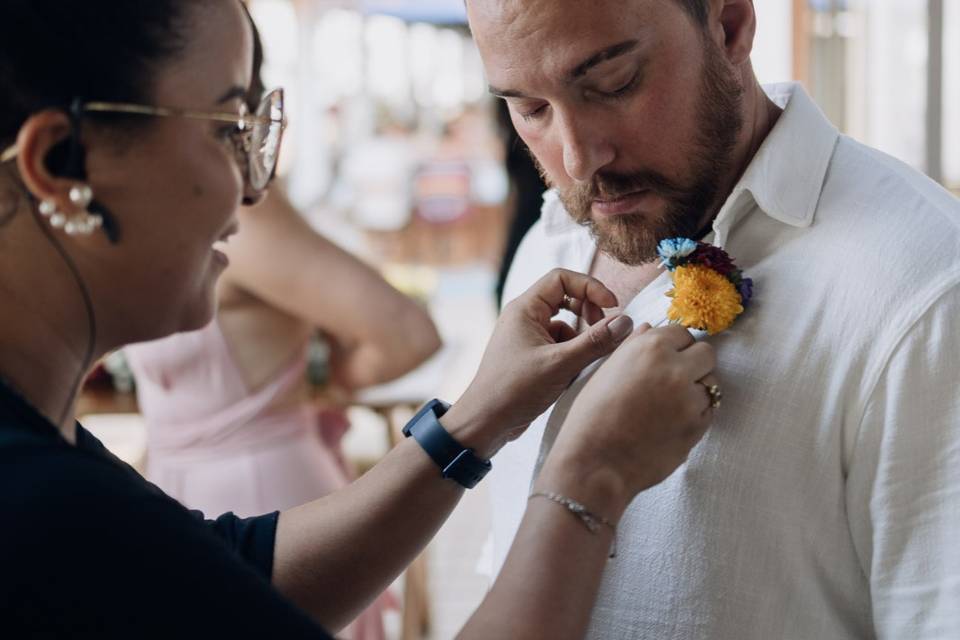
point(257, 88)
point(697, 9)
point(52, 51)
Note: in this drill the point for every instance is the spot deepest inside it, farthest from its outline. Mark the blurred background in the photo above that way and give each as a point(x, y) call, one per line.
point(396, 152)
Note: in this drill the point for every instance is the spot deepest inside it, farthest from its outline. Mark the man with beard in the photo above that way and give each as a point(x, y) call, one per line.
point(823, 502)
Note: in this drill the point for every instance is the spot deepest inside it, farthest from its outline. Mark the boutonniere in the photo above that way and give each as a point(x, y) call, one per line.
point(709, 291)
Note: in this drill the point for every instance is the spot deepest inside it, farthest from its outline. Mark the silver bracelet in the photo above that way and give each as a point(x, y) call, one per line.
point(590, 520)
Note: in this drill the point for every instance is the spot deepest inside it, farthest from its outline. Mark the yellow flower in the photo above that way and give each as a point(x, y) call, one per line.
point(703, 299)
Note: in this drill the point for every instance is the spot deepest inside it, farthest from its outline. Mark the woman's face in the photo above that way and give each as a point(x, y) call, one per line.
point(174, 188)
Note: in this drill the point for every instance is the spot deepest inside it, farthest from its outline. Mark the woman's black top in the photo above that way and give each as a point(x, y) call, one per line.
point(89, 548)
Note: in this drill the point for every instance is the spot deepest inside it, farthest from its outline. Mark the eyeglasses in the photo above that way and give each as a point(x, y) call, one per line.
point(256, 137)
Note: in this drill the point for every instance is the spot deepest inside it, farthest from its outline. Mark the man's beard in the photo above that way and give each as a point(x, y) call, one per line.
point(632, 239)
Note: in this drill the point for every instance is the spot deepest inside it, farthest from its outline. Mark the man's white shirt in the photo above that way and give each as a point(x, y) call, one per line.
point(825, 500)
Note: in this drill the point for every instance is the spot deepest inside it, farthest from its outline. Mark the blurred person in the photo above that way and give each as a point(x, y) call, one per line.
point(526, 192)
point(232, 423)
point(110, 207)
point(823, 502)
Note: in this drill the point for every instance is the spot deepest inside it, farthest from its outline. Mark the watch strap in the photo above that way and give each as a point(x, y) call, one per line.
point(456, 462)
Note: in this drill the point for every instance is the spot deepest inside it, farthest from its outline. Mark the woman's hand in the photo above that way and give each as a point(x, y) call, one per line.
point(635, 421)
point(532, 358)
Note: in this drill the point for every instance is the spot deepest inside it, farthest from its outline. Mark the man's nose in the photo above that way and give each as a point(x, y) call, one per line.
point(585, 149)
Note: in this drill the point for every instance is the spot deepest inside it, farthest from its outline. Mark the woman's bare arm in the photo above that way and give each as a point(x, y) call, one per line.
point(379, 333)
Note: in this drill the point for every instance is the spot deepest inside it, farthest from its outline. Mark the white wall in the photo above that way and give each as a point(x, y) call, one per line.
point(773, 46)
point(896, 75)
point(951, 93)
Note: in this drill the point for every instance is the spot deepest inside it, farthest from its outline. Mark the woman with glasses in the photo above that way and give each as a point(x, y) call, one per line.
point(125, 150)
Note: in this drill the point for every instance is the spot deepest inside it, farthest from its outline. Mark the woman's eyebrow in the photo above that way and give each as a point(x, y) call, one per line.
point(232, 94)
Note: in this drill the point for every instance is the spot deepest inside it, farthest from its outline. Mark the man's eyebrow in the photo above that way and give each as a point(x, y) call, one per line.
point(615, 51)
point(609, 53)
point(232, 94)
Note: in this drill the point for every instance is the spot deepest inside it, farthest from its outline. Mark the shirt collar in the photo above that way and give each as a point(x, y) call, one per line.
point(803, 137)
point(787, 173)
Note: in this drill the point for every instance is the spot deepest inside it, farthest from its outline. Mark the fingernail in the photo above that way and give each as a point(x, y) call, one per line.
point(620, 328)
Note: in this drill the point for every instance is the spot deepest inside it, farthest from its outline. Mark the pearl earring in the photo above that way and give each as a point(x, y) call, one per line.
point(82, 223)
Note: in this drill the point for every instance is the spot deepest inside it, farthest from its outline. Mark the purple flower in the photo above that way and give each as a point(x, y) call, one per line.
point(745, 287)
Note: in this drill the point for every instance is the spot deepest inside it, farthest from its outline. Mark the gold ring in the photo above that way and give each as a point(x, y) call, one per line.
point(716, 395)
point(566, 303)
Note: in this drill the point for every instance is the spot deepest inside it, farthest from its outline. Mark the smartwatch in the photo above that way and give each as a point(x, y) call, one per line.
point(456, 462)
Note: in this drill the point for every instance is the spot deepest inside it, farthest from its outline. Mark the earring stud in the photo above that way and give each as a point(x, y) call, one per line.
point(81, 196)
point(48, 208)
point(82, 223)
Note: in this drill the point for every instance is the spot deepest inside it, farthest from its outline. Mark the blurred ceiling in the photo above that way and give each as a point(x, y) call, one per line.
point(433, 11)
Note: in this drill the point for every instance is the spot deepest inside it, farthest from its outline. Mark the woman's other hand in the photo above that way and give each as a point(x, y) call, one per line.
point(532, 358)
point(635, 421)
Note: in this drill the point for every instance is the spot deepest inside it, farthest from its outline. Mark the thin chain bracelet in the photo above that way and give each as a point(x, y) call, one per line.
point(589, 519)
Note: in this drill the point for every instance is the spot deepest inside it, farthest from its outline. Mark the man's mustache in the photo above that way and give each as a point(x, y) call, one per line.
point(611, 186)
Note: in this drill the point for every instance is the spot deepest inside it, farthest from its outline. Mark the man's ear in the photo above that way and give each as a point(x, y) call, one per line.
point(733, 25)
point(41, 146)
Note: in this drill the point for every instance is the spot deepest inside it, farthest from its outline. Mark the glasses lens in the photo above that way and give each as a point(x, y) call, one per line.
point(265, 140)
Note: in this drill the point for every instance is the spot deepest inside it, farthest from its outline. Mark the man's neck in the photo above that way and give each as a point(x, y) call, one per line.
point(764, 114)
point(624, 281)
point(760, 116)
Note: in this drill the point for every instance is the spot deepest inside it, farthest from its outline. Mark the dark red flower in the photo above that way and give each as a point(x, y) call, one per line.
point(713, 257)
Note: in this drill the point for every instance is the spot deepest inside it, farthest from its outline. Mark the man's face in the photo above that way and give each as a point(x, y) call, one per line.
point(630, 109)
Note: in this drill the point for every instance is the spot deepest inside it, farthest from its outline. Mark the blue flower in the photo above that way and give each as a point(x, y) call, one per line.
point(673, 250)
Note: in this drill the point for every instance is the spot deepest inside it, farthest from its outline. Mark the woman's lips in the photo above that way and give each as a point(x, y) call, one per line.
point(220, 246)
point(629, 203)
point(219, 256)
